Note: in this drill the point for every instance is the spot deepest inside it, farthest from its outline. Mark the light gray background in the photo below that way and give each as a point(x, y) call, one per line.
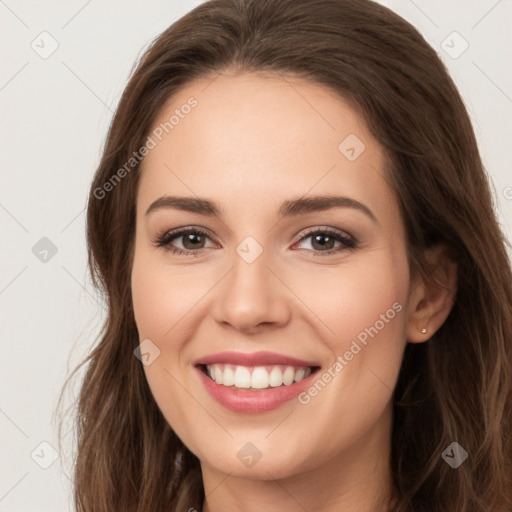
point(55, 114)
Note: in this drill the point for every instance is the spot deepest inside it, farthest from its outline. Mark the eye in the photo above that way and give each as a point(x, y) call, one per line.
point(192, 239)
point(323, 241)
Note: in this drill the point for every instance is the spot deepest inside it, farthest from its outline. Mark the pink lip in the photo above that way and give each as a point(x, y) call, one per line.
point(253, 359)
point(252, 402)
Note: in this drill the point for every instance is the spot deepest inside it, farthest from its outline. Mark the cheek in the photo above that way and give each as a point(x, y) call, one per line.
point(365, 314)
point(366, 311)
point(362, 301)
point(370, 305)
point(151, 305)
point(161, 297)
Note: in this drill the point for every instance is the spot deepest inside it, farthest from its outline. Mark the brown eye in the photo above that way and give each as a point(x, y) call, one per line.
point(192, 241)
point(323, 241)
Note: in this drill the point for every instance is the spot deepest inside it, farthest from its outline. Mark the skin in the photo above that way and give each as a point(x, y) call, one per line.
point(252, 142)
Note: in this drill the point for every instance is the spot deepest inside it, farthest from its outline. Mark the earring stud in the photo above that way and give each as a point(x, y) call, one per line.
point(424, 331)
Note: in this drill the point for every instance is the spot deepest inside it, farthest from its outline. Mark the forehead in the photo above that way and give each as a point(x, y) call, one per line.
point(250, 141)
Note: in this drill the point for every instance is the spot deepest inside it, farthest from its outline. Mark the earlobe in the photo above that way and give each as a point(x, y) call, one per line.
point(433, 297)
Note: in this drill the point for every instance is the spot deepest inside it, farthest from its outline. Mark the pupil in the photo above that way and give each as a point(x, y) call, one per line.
point(319, 237)
point(193, 238)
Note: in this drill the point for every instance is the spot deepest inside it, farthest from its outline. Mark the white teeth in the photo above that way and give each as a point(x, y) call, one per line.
point(229, 376)
point(276, 377)
point(219, 376)
point(288, 376)
point(242, 377)
point(299, 374)
point(258, 377)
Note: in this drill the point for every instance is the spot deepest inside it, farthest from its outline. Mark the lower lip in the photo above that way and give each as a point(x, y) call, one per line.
point(247, 402)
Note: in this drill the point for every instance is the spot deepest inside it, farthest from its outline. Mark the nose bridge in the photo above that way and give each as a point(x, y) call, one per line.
point(251, 293)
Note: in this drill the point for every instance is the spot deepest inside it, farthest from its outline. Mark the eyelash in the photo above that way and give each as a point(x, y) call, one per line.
point(164, 240)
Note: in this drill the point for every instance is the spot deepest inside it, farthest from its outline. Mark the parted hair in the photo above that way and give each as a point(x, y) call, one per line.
point(456, 387)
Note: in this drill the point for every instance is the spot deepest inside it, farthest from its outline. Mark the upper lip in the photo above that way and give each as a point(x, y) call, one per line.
point(253, 359)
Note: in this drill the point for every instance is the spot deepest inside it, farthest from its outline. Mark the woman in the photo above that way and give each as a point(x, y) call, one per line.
point(310, 301)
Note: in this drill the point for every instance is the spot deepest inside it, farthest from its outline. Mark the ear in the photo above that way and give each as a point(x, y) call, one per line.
point(431, 300)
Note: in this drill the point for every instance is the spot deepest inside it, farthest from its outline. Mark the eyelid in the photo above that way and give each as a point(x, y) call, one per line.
point(348, 241)
point(165, 237)
point(323, 229)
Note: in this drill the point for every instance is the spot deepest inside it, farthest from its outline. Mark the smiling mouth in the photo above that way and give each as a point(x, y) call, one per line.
point(256, 378)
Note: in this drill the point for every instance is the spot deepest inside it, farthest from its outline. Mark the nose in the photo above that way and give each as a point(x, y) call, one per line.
point(252, 295)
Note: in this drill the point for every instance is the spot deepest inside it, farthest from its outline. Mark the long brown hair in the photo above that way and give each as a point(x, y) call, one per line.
point(456, 387)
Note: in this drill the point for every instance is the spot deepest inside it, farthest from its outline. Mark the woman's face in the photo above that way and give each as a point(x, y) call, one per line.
point(272, 273)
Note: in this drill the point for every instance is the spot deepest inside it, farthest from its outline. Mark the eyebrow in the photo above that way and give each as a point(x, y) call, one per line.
point(288, 208)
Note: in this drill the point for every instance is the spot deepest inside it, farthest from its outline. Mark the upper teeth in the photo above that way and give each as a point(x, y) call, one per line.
point(257, 377)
